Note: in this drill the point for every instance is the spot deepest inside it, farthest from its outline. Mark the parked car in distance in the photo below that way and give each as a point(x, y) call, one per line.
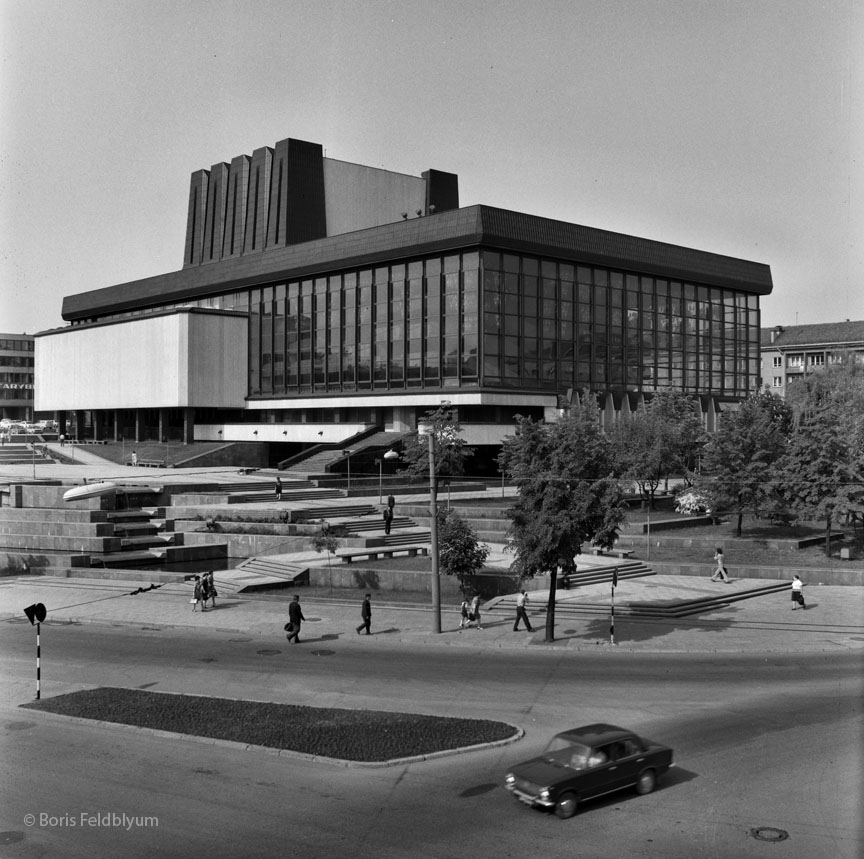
point(587, 762)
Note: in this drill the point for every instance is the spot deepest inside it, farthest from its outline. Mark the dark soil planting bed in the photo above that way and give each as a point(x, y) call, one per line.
point(351, 735)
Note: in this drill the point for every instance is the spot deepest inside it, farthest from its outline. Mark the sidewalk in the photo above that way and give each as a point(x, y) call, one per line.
point(833, 621)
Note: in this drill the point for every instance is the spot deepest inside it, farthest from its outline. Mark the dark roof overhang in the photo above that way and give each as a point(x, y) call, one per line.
point(473, 226)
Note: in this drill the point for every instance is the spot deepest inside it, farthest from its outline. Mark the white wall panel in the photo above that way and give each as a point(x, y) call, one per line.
point(166, 361)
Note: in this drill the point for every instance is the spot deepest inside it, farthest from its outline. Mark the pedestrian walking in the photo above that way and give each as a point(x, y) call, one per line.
point(797, 593)
point(205, 591)
point(366, 614)
point(391, 503)
point(721, 572)
point(522, 611)
point(62, 439)
point(463, 611)
point(211, 588)
point(295, 619)
point(278, 488)
point(134, 458)
point(474, 611)
point(196, 594)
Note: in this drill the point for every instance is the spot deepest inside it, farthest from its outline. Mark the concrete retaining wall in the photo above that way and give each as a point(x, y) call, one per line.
point(852, 576)
point(348, 577)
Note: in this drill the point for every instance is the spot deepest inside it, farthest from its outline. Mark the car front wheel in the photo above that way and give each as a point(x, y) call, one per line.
point(647, 782)
point(566, 805)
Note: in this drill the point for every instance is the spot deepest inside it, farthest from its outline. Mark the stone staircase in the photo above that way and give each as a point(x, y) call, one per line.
point(364, 449)
point(43, 534)
point(261, 573)
point(598, 575)
point(257, 490)
point(22, 454)
point(686, 607)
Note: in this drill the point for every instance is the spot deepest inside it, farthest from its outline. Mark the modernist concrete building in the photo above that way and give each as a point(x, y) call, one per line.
point(16, 376)
point(318, 299)
point(788, 353)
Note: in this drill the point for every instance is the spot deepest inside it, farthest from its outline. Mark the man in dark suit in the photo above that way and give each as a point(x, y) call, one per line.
point(295, 616)
point(366, 614)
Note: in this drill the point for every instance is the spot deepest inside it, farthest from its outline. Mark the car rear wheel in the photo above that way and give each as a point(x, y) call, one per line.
point(567, 805)
point(647, 782)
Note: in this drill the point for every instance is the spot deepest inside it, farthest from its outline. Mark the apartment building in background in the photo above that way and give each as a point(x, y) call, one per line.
point(789, 352)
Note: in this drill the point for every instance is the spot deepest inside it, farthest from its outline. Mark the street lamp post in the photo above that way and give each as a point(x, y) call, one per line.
point(428, 431)
point(391, 454)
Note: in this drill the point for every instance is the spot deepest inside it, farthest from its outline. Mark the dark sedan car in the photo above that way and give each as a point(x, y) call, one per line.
point(588, 762)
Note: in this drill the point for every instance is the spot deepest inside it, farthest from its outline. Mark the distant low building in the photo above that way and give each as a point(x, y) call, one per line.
point(16, 376)
point(790, 352)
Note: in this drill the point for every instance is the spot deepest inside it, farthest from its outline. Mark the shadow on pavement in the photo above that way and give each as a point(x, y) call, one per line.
point(643, 629)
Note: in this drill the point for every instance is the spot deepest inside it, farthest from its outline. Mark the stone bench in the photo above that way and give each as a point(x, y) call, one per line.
point(383, 552)
point(618, 553)
point(148, 463)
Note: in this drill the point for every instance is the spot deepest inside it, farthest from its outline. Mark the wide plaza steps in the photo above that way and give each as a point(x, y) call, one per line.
point(598, 575)
point(373, 523)
point(261, 573)
point(21, 454)
point(335, 511)
point(687, 607)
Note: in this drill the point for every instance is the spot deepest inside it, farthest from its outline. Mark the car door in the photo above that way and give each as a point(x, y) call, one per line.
point(598, 777)
point(628, 761)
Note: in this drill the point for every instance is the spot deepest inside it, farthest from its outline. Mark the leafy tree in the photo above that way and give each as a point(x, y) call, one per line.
point(459, 552)
point(659, 439)
point(741, 460)
point(567, 495)
point(328, 539)
point(450, 450)
point(682, 434)
point(824, 466)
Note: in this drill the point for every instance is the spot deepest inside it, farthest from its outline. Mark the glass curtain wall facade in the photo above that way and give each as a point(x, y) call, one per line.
point(496, 320)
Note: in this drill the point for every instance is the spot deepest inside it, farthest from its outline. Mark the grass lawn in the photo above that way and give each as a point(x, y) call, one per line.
point(351, 735)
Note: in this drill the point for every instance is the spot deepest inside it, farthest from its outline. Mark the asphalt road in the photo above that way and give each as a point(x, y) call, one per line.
point(762, 745)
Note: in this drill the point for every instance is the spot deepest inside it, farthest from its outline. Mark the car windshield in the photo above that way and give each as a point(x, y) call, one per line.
point(567, 753)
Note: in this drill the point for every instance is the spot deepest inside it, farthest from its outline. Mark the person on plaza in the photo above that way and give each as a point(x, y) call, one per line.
point(720, 572)
point(474, 611)
point(62, 439)
point(211, 588)
point(366, 614)
point(134, 458)
point(278, 488)
point(295, 618)
point(388, 520)
point(205, 591)
point(391, 503)
point(522, 611)
point(197, 594)
point(797, 593)
point(463, 611)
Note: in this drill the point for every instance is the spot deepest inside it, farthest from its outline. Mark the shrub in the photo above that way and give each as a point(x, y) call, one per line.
point(692, 503)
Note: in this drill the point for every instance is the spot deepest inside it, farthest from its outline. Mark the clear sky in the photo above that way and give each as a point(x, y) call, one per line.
point(734, 126)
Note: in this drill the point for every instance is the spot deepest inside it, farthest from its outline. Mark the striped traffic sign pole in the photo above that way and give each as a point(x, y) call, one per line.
point(36, 614)
point(612, 618)
point(38, 662)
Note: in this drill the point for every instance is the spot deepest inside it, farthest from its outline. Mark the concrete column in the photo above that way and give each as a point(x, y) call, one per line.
point(188, 425)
